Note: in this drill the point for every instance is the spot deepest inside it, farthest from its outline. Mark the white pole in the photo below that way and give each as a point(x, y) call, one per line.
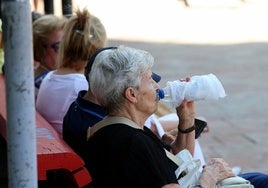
point(21, 137)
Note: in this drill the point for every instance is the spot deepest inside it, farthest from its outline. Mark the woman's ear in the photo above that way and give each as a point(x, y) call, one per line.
point(131, 94)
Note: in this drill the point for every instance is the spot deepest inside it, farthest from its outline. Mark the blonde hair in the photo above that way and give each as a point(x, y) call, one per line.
point(42, 28)
point(83, 35)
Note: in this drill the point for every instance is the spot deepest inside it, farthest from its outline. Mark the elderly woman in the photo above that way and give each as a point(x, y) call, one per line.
point(126, 153)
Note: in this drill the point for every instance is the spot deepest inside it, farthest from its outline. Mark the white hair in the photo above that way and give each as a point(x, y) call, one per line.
point(114, 70)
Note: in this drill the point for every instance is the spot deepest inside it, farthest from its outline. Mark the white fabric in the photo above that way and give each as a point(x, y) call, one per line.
point(55, 95)
point(198, 154)
point(153, 120)
point(189, 165)
point(205, 87)
point(234, 182)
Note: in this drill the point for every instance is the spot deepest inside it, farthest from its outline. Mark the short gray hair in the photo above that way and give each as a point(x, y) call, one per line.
point(114, 70)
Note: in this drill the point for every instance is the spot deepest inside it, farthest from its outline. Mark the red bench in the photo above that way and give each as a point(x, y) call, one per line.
point(53, 153)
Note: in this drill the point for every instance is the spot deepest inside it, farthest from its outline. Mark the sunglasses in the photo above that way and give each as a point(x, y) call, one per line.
point(55, 46)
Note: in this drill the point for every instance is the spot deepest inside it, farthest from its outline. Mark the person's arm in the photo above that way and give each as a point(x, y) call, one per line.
point(185, 138)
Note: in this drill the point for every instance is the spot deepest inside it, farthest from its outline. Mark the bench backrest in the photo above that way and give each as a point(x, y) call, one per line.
point(53, 153)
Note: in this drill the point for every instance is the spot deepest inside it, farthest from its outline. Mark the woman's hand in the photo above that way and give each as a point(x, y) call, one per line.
point(215, 171)
point(186, 112)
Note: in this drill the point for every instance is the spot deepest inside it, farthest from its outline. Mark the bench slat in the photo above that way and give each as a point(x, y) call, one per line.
point(53, 153)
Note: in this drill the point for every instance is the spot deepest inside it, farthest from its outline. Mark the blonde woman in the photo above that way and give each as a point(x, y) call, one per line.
point(47, 35)
point(83, 35)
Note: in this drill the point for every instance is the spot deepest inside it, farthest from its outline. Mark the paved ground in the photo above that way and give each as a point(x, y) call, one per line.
point(227, 38)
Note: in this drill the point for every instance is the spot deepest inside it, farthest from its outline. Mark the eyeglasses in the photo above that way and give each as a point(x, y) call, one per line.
point(55, 46)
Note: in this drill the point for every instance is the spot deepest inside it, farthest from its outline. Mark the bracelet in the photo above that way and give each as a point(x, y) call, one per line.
point(187, 130)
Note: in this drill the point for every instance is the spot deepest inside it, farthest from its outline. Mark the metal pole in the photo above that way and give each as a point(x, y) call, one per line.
point(67, 9)
point(49, 6)
point(21, 136)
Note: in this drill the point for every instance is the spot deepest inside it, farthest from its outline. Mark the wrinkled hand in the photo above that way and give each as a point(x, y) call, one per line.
point(215, 171)
point(186, 114)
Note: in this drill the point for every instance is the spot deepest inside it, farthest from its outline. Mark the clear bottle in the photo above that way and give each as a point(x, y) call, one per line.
point(198, 88)
point(170, 96)
point(164, 96)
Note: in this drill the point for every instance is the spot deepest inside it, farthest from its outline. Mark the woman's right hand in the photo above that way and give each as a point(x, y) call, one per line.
point(186, 111)
point(186, 114)
point(215, 171)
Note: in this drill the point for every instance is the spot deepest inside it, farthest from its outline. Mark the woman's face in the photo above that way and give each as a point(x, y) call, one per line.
point(147, 96)
point(52, 49)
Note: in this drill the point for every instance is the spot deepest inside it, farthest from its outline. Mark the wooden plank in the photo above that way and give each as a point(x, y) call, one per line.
point(53, 153)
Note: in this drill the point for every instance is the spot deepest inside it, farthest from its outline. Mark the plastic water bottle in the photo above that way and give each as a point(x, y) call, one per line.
point(198, 88)
point(173, 94)
point(165, 96)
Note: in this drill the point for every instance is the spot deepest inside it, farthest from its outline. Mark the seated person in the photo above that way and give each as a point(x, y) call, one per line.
point(47, 35)
point(84, 112)
point(83, 34)
point(119, 155)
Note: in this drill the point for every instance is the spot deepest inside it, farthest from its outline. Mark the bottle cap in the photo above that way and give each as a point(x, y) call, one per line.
point(160, 94)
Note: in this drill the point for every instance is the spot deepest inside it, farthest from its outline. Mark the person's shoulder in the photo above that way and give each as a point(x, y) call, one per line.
point(75, 116)
point(77, 76)
point(75, 119)
point(118, 130)
point(39, 78)
point(45, 75)
point(131, 134)
point(80, 83)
